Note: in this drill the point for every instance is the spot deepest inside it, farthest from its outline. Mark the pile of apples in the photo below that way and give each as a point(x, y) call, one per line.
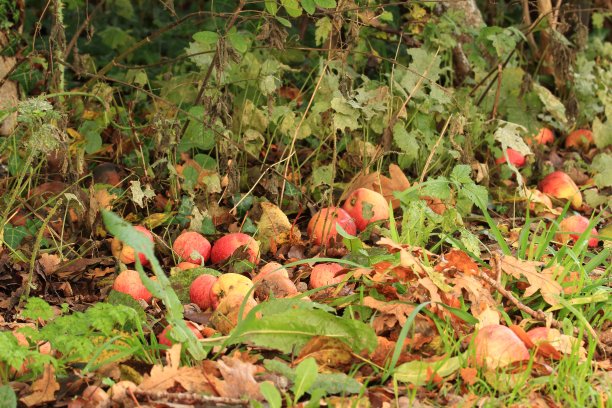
point(559, 185)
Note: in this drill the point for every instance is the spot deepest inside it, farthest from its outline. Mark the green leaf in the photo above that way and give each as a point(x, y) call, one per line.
point(323, 28)
point(309, 6)
point(479, 195)
point(337, 383)
point(206, 37)
point(305, 375)
point(90, 131)
point(196, 135)
point(315, 398)
point(420, 372)
point(292, 7)
point(326, 3)
point(13, 236)
point(238, 40)
point(8, 399)
point(289, 329)
point(271, 6)
point(37, 308)
point(283, 21)
point(271, 394)
point(119, 298)
point(406, 142)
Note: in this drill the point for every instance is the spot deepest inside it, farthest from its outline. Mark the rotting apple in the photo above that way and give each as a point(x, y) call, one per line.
point(366, 206)
point(497, 346)
point(200, 292)
point(230, 283)
point(579, 138)
point(322, 226)
point(538, 199)
point(129, 282)
point(326, 274)
point(570, 228)
point(126, 253)
point(162, 338)
point(274, 278)
point(225, 317)
point(544, 136)
point(515, 158)
point(225, 247)
point(559, 185)
point(186, 265)
point(192, 247)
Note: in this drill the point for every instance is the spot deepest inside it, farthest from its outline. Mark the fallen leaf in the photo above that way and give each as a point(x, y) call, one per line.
point(385, 185)
point(327, 352)
point(457, 260)
point(479, 296)
point(543, 281)
point(42, 390)
point(469, 375)
point(275, 228)
point(238, 378)
point(49, 263)
point(393, 313)
point(162, 378)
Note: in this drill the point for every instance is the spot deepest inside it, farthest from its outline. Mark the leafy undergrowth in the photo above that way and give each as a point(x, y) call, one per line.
point(472, 267)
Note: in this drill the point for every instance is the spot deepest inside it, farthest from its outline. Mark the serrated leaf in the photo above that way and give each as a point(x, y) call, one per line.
point(323, 28)
point(90, 131)
point(551, 103)
point(406, 142)
point(196, 135)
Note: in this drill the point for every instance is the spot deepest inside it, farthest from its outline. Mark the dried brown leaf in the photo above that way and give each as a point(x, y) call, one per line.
point(238, 378)
point(385, 185)
point(42, 390)
point(543, 281)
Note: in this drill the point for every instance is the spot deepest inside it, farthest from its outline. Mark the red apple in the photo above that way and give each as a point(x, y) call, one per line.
point(129, 282)
point(366, 206)
point(192, 247)
point(227, 245)
point(570, 228)
point(498, 346)
point(274, 278)
point(322, 226)
point(200, 292)
point(126, 253)
point(163, 339)
point(183, 266)
point(326, 274)
point(579, 138)
point(515, 157)
point(270, 269)
point(544, 136)
point(559, 185)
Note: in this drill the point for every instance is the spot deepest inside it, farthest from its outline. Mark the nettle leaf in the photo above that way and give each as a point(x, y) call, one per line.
point(91, 130)
point(602, 165)
point(239, 41)
point(407, 143)
point(323, 175)
point(602, 132)
point(323, 28)
point(509, 135)
point(551, 103)
point(290, 329)
point(196, 135)
point(116, 38)
point(346, 116)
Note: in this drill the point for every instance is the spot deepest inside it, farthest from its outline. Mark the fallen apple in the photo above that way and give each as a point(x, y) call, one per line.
point(514, 157)
point(559, 185)
point(227, 314)
point(539, 200)
point(579, 138)
point(200, 292)
point(129, 282)
point(326, 274)
point(162, 338)
point(322, 226)
point(192, 247)
point(225, 247)
point(126, 253)
point(544, 136)
point(570, 228)
point(230, 283)
point(274, 278)
point(497, 346)
point(366, 206)
point(270, 269)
